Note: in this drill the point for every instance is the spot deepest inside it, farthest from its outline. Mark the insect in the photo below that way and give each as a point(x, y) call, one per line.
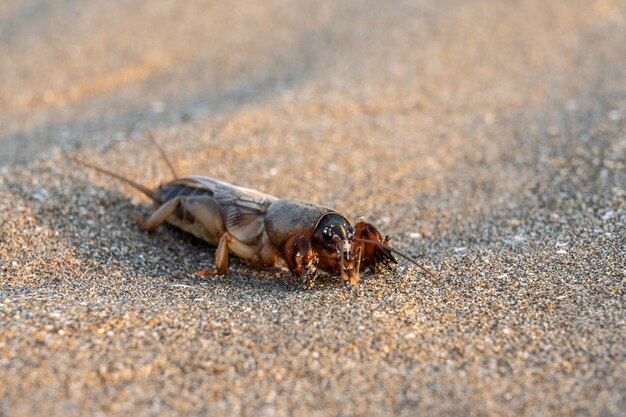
point(260, 228)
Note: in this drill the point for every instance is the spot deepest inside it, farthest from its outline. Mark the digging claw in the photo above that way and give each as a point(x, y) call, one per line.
point(354, 280)
point(308, 279)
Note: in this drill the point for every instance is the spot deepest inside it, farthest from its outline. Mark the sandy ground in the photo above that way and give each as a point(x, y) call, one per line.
point(488, 138)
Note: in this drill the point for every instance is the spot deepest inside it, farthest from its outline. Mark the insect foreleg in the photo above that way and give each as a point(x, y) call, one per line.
point(371, 254)
point(299, 255)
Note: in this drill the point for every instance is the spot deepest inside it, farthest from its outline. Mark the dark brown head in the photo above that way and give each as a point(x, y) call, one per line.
point(333, 241)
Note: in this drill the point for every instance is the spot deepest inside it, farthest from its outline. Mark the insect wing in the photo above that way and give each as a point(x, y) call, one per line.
point(243, 209)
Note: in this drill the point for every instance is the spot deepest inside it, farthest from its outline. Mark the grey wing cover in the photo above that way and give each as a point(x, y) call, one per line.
point(243, 209)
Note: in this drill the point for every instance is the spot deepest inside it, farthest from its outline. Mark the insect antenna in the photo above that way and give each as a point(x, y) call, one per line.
point(148, 192)
point(397, 252)
point(163, 154)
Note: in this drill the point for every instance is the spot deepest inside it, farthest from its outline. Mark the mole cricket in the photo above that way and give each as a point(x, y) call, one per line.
point(259, 228)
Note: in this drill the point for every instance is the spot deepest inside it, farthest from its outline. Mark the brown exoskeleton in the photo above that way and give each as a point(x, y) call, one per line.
point(259, 228)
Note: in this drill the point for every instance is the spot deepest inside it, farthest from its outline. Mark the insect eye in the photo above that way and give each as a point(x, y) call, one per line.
point(327, 234)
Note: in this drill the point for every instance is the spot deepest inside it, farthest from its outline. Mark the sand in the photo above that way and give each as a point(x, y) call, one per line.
point(487, 138)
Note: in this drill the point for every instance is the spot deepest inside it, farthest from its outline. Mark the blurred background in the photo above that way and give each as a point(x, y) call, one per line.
point(433, 86)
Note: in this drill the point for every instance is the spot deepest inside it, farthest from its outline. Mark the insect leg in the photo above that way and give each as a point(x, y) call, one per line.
point(160, 215)
point(371, 254)
point(206, 212)
point(203, 218)
point(228, 243)
point(299, 255)
point(221, 255)
point(221, 258)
